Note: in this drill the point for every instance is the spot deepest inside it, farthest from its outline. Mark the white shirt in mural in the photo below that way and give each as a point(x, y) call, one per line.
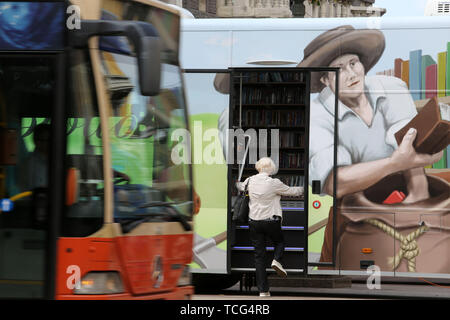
point(393, 107)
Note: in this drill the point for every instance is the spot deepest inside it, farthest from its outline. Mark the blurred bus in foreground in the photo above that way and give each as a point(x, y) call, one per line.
point(92, 206)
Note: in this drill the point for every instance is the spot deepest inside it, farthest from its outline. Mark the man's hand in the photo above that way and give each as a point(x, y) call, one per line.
point(406, 157)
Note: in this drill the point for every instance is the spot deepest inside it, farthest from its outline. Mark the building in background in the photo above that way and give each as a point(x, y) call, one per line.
point(437, 8)
point(280, 8)
point(339, 8)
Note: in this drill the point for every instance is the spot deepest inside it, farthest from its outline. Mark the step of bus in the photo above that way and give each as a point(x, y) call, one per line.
point(312, 281)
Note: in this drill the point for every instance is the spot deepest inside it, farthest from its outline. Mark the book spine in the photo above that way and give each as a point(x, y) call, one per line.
point(398, 67)
point(442, 66)
point(427, 61)
point(448, 157)
point(415, 74)
point(405, 72)
point(447, 78)
point(431, 81)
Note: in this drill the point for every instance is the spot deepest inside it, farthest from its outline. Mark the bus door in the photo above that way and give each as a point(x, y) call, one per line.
point(321, 192)
point(208, 99)
point(30, 92)
point(31, 141)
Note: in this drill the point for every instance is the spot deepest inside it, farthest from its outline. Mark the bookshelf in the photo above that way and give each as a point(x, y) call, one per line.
point(272, 98)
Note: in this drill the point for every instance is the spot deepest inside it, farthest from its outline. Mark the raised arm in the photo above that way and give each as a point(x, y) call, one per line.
point(284, 190)
point(241, 185)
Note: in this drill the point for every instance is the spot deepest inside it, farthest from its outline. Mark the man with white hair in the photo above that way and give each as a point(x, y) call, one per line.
point(265, 217)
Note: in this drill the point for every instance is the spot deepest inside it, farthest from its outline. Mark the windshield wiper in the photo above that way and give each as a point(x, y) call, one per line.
point(172, 213)
point(157, 204)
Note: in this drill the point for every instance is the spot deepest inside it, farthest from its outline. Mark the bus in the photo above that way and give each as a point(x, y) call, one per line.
point(344, 233)
point(92, 204)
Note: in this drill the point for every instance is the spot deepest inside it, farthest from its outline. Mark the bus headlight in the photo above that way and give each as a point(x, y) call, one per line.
point(100, 283)
point(185, 277)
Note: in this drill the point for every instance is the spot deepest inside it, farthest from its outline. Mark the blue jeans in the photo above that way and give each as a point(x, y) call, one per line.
point(260, 231)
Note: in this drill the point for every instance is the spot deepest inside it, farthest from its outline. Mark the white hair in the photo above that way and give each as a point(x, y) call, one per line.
point(266, 165)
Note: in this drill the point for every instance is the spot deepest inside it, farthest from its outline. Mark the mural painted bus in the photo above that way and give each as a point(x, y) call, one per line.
point(374, 197)
point(92, 206)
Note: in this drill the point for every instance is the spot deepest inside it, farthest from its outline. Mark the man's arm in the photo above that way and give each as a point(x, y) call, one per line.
point(360, 176)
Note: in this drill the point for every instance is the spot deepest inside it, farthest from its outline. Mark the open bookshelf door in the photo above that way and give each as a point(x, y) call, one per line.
point(207, 95)
point(322, 160)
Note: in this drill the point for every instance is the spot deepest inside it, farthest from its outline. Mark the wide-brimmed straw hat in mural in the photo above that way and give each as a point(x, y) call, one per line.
point(222, 83)
point(368, 44)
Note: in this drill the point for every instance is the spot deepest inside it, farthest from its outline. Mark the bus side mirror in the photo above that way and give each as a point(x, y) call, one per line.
point(149, 65)
point(145, 39)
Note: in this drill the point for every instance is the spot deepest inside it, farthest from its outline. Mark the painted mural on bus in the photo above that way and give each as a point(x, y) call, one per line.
point(392, 167)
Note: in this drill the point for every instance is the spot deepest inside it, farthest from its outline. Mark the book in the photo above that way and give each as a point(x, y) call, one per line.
point(447, 79)
point(405, 72)
point(415, 74)
point(395, 197)
point(427, 61)
point(398, 67)
point(442, 66)
point(448, 157)
point(431, 81)
point(433, 128)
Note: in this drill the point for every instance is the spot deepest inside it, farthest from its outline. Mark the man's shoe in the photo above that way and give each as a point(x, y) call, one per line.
point(264, 294)
point(279, 268)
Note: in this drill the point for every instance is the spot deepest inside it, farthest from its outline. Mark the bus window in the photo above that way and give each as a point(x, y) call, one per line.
point(149, 182)
point(84, 150)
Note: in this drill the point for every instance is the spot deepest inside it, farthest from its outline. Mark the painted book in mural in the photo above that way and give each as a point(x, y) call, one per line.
point(433, 128)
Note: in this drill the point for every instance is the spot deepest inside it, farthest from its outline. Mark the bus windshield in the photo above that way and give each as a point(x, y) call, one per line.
point(148, 183)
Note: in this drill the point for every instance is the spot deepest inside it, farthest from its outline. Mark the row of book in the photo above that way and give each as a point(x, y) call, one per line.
point(271, 118)
point(425, 76)
point(262, 77)
point(289, 139)
point(287, 160)
point(273, 95)
point(292, 160)
point(293, 181)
